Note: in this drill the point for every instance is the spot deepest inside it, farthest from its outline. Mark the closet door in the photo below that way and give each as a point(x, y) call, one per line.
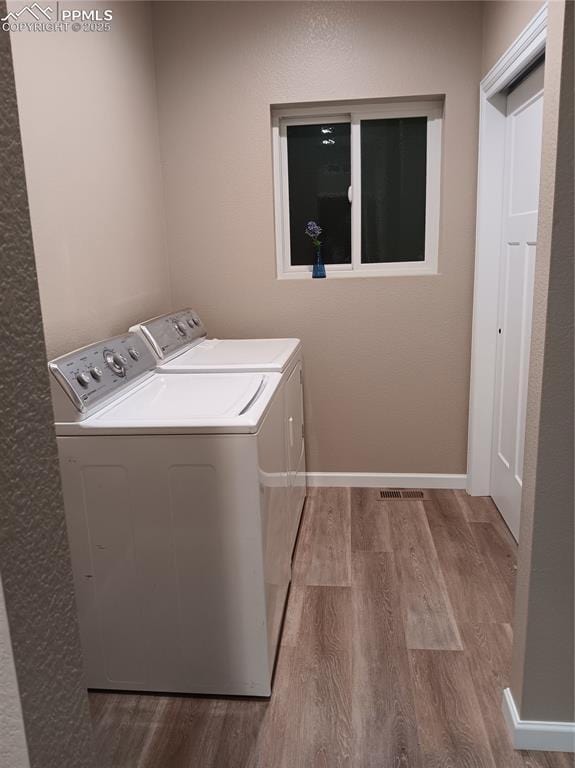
point(518, 247)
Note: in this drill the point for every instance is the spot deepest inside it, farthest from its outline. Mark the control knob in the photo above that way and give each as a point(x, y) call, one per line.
point(180, 328)
point(83, 379)
point(115, 362)
point(96, 373)
point(134, 354)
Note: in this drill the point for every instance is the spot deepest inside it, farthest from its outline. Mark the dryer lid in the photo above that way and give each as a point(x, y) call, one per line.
point(214, 355)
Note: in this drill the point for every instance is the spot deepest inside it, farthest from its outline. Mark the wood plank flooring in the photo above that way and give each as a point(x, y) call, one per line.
point(324, 550)
point(396, 646)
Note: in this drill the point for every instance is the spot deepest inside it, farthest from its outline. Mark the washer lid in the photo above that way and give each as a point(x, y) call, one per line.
point(227, 403)
point(214, 355)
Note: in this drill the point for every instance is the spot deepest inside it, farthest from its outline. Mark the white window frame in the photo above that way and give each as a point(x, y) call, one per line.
point(353, 113)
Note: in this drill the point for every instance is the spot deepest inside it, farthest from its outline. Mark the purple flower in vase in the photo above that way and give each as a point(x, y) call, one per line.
point(313, 231)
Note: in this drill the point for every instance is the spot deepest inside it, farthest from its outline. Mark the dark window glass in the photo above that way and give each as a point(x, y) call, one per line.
point(319, 177)
point(393, 176)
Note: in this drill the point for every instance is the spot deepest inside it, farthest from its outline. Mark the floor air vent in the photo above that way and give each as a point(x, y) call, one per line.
point(412, 494)
point(395, 493)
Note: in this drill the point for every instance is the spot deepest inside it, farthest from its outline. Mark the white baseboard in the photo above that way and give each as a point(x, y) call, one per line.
point(537, 735)
point(384, 480)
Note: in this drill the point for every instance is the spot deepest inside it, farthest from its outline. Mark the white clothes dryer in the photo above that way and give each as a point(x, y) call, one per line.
point(179, 341)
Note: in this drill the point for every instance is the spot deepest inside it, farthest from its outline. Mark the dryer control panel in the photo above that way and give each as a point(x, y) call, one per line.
point(95, 373)
point(169, 334)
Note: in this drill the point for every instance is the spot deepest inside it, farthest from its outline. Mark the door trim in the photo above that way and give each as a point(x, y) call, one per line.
point(526, 49)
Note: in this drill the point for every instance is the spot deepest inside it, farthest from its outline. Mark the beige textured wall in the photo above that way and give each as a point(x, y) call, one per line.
point(88, 116)
point(544, 648)
point(387, 359)
point(503, 21)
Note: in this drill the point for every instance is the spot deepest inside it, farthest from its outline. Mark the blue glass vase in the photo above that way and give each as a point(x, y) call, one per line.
point(318, 265)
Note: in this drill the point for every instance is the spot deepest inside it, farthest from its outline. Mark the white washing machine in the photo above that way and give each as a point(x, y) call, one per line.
point(176, 498)
point(179, 342)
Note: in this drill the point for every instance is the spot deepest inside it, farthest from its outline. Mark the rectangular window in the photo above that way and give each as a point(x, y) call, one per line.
point(393, 173)
point(319, 176)
point(369, 176)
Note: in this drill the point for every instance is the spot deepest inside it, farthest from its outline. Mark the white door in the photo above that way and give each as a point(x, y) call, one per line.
point(519, 241)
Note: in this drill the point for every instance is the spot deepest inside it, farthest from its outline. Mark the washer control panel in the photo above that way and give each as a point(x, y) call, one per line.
point(95, 373)
point(169, 334)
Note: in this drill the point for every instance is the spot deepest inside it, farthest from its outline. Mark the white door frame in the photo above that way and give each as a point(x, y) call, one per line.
point(522, 53)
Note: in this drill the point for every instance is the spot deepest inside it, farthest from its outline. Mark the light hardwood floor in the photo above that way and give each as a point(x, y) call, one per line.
point(395, 650)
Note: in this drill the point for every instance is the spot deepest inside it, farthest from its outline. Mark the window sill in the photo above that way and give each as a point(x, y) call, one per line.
point(353, 273)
